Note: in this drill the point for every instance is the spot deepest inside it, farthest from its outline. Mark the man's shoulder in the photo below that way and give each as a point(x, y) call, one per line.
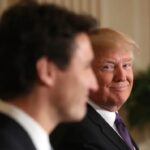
point(12, 135)
point(8, 125)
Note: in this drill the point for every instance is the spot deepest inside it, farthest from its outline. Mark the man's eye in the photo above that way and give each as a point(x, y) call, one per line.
point(107, 67)
point(127, 65)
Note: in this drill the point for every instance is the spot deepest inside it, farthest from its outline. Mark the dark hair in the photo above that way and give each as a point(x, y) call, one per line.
point(31, 31)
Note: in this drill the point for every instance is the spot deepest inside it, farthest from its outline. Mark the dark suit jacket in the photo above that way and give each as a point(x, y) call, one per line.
point(93, 133)
point(13, 136)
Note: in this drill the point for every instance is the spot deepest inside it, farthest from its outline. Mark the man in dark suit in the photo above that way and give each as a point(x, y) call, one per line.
point(45, 78)
point(100, 129)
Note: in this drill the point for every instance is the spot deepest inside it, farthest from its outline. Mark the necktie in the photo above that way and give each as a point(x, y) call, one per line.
point(123, 131)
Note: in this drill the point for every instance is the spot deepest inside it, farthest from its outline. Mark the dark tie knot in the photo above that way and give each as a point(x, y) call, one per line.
point(119, 121)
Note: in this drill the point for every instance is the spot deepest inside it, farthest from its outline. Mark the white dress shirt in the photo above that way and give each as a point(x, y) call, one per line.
point(37, 134)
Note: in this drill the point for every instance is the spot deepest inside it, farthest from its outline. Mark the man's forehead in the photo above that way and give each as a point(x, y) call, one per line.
point(102, 56)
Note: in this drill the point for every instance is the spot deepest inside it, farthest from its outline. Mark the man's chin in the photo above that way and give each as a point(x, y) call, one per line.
point(78, 116)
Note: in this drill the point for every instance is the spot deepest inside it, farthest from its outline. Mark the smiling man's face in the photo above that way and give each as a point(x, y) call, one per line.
point(114, 72)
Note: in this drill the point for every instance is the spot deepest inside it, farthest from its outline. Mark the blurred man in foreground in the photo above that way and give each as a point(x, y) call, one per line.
point(45, 77)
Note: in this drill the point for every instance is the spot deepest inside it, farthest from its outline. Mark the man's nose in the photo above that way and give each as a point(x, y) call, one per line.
point(120, 74)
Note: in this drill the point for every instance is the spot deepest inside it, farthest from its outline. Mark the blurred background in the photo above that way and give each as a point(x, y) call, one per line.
point(133, 18)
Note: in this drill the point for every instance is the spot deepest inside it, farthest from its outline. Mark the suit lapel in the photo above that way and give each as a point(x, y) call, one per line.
point(106, 129)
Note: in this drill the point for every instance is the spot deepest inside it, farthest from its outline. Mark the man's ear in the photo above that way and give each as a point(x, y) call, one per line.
point(46, 71)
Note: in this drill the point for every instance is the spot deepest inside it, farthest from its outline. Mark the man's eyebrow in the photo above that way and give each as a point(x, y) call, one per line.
point(128, 59)
point(108, 61)
point(113, 61)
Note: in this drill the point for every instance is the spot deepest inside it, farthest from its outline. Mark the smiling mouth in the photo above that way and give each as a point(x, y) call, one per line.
point(119, 88)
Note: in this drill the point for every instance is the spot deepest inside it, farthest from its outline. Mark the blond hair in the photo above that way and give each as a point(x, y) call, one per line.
point(106, 38)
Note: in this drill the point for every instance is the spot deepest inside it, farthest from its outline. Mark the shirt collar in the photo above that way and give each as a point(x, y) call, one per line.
point(108, 116)
point(38, 135)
